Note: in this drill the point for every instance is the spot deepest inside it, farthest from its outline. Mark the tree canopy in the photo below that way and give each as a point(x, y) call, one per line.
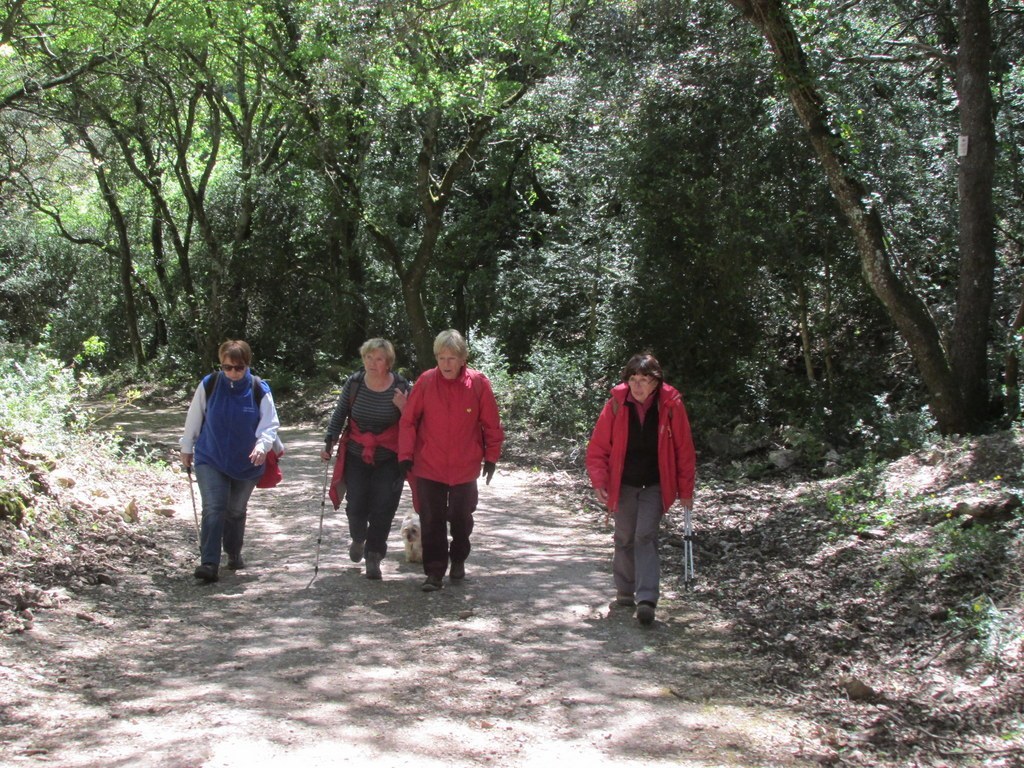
point(809, 211)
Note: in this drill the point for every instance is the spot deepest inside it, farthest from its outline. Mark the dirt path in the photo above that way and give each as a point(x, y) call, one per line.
point(525, 663)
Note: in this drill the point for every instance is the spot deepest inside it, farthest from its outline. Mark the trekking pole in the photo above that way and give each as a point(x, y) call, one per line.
point(195, 513)
point(320, 535)
point(687, 549)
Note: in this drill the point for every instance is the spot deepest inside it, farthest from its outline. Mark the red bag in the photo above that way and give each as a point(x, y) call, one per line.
point(337, 487)
point(271, 472)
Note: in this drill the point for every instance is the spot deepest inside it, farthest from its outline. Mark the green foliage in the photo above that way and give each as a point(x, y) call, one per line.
point(38, 396)
point(652, 188)
point(14, 500)
point(964, 552)
point(487, 356)
point(998, 632)
point(556, 395)
point(93, 350)
point(857, 507)
point(888, 432)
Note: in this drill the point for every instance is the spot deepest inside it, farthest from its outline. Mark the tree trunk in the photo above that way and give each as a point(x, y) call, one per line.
point(905, 308)
point(195, 196)
point(126, 267)
point(968, 347)
point(805, 332)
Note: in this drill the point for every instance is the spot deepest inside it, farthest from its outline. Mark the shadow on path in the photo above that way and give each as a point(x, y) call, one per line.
point(523, 663)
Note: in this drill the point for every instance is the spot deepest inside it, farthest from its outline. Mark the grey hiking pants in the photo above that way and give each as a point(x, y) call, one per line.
point(635, 564)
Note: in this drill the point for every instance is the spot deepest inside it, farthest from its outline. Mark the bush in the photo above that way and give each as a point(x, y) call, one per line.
point(38, 396)
point(887, 434)
point(556, 396)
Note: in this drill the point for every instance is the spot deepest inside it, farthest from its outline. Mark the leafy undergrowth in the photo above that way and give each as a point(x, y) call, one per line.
point(890, 603)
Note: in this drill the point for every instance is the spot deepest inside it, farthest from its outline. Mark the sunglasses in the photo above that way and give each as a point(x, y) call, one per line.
point(228, 368)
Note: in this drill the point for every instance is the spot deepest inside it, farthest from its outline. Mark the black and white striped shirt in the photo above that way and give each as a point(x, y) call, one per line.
point(372, 411)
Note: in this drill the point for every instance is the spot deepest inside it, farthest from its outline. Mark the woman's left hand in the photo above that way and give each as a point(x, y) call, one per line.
point(258, 456)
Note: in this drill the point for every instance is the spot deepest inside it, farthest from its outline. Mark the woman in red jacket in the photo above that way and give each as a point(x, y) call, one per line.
point(448, 430)
point(641, 460)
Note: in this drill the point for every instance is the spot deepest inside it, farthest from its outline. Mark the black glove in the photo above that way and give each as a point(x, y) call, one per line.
point(405, 467)
point(488, 471)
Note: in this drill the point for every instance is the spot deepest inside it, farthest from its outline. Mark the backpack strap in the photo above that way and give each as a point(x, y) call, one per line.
point(210, 384)
point(357, 381)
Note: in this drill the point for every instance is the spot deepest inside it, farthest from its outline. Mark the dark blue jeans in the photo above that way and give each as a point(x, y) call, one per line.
point(372, 493)
point(225, 501)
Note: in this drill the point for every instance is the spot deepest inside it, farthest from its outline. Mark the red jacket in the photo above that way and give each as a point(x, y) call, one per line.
point(449, 428)
point(606, 451)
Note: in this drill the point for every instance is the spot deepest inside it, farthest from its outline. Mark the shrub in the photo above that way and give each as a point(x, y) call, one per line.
point(38, 395)
point(555, 396)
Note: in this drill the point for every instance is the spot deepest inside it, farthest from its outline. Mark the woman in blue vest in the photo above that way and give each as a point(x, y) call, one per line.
point(231, 427)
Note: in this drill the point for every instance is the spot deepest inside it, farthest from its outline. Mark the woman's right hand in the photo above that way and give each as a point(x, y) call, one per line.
point(186, 460)
point(325, 455)
point(602, 495)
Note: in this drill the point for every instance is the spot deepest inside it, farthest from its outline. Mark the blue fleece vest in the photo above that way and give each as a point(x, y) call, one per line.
point(229, 430)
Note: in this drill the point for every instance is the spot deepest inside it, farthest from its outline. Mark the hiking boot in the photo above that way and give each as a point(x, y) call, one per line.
point(458, 571)
point(235, 562)
point(432, 584)
point(645, 613)
point(373, 566)
point(206, 572)
point(626, 601)
point(355, 551)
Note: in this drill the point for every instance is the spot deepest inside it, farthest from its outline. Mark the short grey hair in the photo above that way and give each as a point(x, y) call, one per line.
point(379, 345)
point(453, 340)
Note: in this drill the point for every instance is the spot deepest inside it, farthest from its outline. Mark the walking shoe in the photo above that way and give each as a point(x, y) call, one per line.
point(206, 572)
point(626, 601)
point(235, 562)
point(432, 584)
point(355, 551)
point(373, 566)
point(645, 613)
point(457, 571)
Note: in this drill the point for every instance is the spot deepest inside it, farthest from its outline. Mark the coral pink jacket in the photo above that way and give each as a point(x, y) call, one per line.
point(449, 428)
point(606, 451)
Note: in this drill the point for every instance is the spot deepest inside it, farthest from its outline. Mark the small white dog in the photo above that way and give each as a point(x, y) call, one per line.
point(411, 537)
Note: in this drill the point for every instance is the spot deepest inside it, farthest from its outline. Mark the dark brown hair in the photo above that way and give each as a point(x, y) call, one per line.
point(643, 364)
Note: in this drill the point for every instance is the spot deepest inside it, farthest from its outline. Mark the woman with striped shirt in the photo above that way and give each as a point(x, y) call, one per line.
point(365, 427)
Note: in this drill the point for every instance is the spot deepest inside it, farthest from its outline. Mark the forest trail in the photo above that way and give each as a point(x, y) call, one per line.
point(525, 663)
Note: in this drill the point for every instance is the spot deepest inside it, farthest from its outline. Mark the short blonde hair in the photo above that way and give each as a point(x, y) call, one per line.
point(453, 340)
point(379, 345)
